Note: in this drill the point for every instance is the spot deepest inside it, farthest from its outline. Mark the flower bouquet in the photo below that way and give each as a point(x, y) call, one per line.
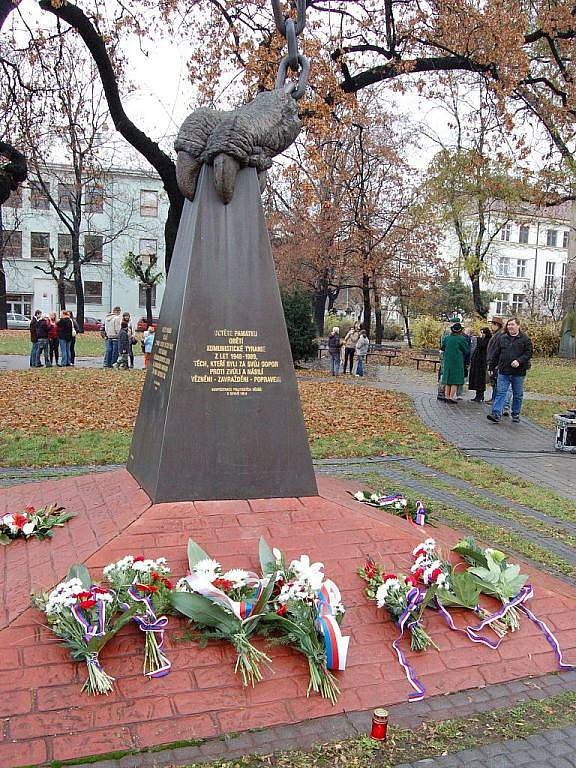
point(305, 612)
point(224, 606)
point(397, 504)
point(494, 576)
point(85, 617)
point(33, 522)
point(401, 597)
point(143, 588)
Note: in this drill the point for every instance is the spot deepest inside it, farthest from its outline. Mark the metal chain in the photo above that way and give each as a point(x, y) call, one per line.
point(294, 60)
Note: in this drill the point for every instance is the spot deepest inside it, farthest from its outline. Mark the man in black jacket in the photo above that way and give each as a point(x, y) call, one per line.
point(510, 356)
point(34, 356)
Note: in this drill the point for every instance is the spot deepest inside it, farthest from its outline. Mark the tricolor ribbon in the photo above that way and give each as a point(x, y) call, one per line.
point(420, 514)
point(519, 602)
point(242, 610)
point(406, 621)
point(91, 630)
point(470, 632)
point(328, 597)
point(152, 623)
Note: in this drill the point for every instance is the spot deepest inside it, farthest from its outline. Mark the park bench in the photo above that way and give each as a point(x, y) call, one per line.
point(427, 356)
point(381, 350)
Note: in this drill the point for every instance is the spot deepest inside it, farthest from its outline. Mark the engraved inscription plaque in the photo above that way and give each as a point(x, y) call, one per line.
point(220, 415)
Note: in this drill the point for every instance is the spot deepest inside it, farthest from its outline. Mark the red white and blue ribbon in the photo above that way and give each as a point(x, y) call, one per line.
point(405, 622)
point(328, 597)
point(420, 514)
point(242, 610)
point(91, 630)
point(152, 623)
point(471, 632)
point(385, 501)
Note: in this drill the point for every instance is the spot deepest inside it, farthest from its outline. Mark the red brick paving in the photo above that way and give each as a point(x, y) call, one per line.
point(44, 715)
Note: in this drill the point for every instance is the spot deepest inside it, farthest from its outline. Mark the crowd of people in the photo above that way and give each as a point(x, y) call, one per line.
point(342, 351)
point(499, 356)
point(55, 339)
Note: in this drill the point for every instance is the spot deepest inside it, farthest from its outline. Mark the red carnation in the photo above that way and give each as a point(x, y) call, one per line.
point(146, 588)
point(418, 574)
point(223, 584)
point(86, 604)
point(19, 520)
point(389, 576)
point(435, 573)
point(155, 576)
point(99, 590)
point(411, 580)
point(168, 584)
point(139, 559)
point(282, 610)
point(370, 569)
point(84, 595)
point(419, 551)
point(30, 510)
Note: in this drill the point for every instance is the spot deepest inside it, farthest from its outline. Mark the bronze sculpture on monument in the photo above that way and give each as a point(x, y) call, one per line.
point(220, 415)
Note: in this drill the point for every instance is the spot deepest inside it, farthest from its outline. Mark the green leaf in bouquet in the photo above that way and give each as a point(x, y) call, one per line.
point(5, 539)
point(512, 581)
point(195, 554)
point(203, 611)
point(79, 571)
point(259, 610)
point(470, 551)
point(267, 559)
point(464, 591)
point(124, 618)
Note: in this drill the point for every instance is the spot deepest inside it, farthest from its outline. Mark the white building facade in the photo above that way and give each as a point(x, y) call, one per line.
point(526, 265)
point(125, 212)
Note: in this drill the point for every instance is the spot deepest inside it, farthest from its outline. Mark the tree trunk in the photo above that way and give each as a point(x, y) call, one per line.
point(407, 329)
point(61, 293)
point(377, 313)
point(148, 291)
point(479, 305)
point(3, 303)
point(78, 284)
point(319, 305)
point(367, 323)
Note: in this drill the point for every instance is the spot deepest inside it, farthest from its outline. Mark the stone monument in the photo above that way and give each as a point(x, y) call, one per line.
point(220, 415)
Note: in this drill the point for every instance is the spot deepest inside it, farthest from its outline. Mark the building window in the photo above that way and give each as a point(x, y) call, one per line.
point(551, 237)
point(142, 295)
point(565, 239)
point(549, 280)
point(15, 199)
point(20, 303)
point(502, 303)
point(524, 233)
point(521, 268)
point(94, 199)
point(66, 197)
point(39, 245)
point(64, 246)
point(39, 199)
point(148, 250)
point(11, 245)
point(517, 302)
point(505, 232)
point(503, 266)
point(69, 292)
point(148, 202)
point(93, 247)
point(93, 292)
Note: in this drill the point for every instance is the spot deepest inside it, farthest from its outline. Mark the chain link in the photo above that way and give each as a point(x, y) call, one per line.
point(294, 60)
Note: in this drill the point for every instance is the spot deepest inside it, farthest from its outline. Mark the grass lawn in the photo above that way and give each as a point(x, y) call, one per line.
point(542, 412)
point(89, 344)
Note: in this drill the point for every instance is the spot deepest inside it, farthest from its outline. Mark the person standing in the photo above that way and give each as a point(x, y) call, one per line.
point(34, 358)
point(362, 347)
point(132, 337)
point(42, 334)
point(53, 338)
point(75, 332)
point(112, 323)
point(456, 350)
point(334, 345)
point(123, 346)
point(445, 333)
point(497, 327)
point(148, 343)
point(65, 328)
point(350, 345)
point(510, 357)
point(478, 363)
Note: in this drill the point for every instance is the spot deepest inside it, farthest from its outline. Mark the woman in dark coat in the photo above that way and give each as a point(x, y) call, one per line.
point(478, 364)
point(456, 354)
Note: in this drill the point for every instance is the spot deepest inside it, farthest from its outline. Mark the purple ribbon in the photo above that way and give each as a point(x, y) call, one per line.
point(470, 632)
point(152, 623)
point(413, 599)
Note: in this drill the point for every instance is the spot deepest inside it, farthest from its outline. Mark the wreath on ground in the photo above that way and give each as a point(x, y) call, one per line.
point(33, 523)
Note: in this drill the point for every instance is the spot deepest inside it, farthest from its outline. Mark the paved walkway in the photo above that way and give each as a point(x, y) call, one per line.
point(22, 362)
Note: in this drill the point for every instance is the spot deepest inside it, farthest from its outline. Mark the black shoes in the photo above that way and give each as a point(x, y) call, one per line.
point(493, 418)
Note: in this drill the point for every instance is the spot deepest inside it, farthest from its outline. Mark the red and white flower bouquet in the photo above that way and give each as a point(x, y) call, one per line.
point(142, 587)
point(32, 522)
point(85, 616)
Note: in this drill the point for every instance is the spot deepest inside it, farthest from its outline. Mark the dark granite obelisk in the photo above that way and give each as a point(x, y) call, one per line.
point(220, 416)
